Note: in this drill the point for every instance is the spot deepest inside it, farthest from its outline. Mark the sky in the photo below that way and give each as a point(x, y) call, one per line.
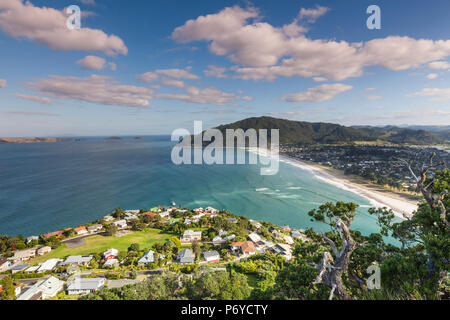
point(149, 67)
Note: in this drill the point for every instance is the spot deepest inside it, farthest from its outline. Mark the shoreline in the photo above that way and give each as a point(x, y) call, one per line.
point(402, 207)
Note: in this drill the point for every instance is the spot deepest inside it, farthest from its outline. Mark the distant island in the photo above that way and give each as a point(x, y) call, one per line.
point(33, 140)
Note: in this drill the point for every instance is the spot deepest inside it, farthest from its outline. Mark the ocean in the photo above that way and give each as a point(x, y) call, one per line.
point(48, 186)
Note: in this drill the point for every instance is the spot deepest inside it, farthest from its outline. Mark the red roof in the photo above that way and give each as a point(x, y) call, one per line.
point(246, 246)
point(80, 229)
point(150, 214)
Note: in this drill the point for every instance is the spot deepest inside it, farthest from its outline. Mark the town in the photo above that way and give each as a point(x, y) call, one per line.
point(129, 246)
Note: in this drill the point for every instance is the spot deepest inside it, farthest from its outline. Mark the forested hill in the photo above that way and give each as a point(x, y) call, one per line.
point(306, 133)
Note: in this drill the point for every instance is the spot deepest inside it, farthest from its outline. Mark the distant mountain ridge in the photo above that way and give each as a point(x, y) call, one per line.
point(307, 133)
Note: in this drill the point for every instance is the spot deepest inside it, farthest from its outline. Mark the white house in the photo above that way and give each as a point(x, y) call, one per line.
point(108, 218)
point(190, 236)
point(148, 257)
point(111, 263)
point(164, 214)
point(31, 238)
point(43, 289)
point(111, 254)
point(49, 265)
point(211, 256)
point(94, 228)
point(78, 260)
point(24, 255)
point(86, 285)
point(254, 237)
point(43, 250)
point(120, 223)
point(217, 241)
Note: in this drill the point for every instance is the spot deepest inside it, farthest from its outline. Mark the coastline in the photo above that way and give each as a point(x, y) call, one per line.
point(401, 205)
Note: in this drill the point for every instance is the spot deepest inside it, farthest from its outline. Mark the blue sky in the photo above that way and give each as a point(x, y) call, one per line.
point(140, 67)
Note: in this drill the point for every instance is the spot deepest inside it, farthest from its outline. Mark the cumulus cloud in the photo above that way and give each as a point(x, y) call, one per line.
point(320, 79)
point(173, 83)
point(215, 71)
point(435, 94)
point(148, 77)
point(211, 95)
point(2, 83)
point(95, 89)
point(47, 26)
point(177, 73)
point(267, 52)
point(439, 65)
point(318, 94)
point(34, 98)
point(92, 63)
point(311, 15)
point(432, 76)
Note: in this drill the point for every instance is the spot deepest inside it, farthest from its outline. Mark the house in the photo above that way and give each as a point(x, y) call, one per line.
point(246, 248)
point(190, 236)
point(111, 263)
point(19, 268)
point(230, 237)
point(24, 255)
point(80, 230)
point(211, 256)
point(132, 211)
point(120, 223)
point(254, 237)
point(82, 286)
point(5, 264)
point(77, 260)
point(94, 228)
point(211, 210)
point(297, 234)
point(283, 249)
point(108, 218)
point(289, 240)
point(130, 216)
point(31, 238)
point(33, 269)
point(198, 210)
point(186, 256)
point(57, 234)
point(187, 221)
point(218, 241)
point(150, 214)
point(111, 254)
point(147, 258)
point(43, 250)
point(222, 233)
point(164, 214)
point(286, 229)
point(232, 220)
point(256, 224)
point(49, 265)
point(43, 289)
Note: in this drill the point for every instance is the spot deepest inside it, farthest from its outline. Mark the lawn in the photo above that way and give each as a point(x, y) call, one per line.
point(99, 244)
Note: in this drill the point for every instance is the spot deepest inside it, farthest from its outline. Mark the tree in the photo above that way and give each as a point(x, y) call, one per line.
point(333, 267)
point(134, 247)
point(118, 213)
point(196, 249)
point(111, 230)
point(8, 289)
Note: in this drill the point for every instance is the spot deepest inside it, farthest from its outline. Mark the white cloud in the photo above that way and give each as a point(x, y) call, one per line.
point(173, 83)
point(435, 94)
point(177, 73)
point(215, 71)
point(432, 76)
point(320, 79)
point(370, 89)
point(92, 63)
point(148, 77)
point(47, 26)
point(374, 98)
point(203, 96)
point(95, 89)
point(267, 52)
point(439, 65)
point(318, 94)
point(311, 15)
point(2, 83)
point(34, 98)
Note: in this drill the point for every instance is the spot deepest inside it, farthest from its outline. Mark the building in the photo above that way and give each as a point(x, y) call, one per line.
point(164, 214)
point(150, 214)
point(49, 265)
point(19, 268)
point(57, 234)
point(80, 230)
point(186, 256)
point(283, 249)
point(111, 263)
point(254, 237)
point(77, 260)
point(218, 241)
point(24, 255)
point(211, 210)
point(82, 286)
point(246, 248)
point(94, 228)
point(111, 254)
point(289, 240)
point(130, 216)
point(190, 236)
point(120, 223)
point(43, 289)
point(232, 220)
point(43, 250)
point(211, 256)
point(108, 218)
point(147, 258)
point(5, 264)
point(31, 238)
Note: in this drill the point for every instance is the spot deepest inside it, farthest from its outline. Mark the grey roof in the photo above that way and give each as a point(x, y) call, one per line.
point(20, 267)
point(77, 260)
point(87, 284)
point(209, 254)
point(186, 256)
point(148, 257)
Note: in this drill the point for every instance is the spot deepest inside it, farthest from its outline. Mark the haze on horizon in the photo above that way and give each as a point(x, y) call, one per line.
point(149, 68)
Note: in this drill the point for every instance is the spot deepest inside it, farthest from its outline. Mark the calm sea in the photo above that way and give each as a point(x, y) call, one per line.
point(48, 186)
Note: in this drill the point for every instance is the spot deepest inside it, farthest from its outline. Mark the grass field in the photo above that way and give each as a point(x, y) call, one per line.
point(99, 244)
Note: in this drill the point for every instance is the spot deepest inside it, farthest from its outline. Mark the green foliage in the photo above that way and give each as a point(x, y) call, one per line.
point(8, 289)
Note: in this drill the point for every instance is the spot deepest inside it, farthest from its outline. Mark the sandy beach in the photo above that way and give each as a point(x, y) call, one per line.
point(401, 205)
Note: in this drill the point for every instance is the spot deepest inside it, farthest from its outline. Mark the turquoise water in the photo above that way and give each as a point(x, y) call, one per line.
point(48, 186)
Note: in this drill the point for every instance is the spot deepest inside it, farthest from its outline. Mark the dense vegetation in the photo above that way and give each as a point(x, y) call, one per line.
point(306, 133)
